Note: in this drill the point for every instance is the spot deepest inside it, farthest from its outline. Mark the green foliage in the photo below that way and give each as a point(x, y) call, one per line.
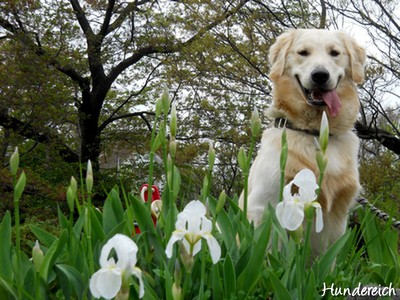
point(246, 270)
point(256, 263)
point(379, 177)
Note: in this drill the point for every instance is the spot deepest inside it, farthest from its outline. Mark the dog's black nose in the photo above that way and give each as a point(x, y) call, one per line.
point(320, 76)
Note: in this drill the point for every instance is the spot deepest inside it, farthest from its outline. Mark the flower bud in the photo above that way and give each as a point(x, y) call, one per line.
point(166, 102)
point(74, 184)
point(242, 159)
point(255, 123)
point(14, 162)
point(221, 202)
point(173, 120)
point(71, 193)
point(159, 107)
point(324, 133)
point(176, 289)
point(309, 212)
point(177, 273)
point(211, 156)
point(187, 259)
point(70, 198)
point(206, 184)
point(89, 177)
point(156, 144)
point(322, 161)
point(20, 187)
point(297, 235)
point(172, 147)
point(37, 256)
point(176, 292)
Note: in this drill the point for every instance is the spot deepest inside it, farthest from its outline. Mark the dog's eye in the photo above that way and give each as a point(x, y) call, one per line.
point(334, 53)
point(303, 53)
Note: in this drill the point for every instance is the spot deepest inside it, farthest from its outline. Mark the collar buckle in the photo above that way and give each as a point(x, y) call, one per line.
point(281, 123)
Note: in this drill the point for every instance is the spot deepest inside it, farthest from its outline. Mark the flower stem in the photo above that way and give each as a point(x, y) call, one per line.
point(283, 160)
point(17, 238)
point(299, 271)
point(246, 174)
point(88, 231)
point(203, 272)
point(17, 224)
point(151, 162)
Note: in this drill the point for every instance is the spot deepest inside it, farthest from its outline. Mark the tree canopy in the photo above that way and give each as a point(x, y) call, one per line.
point(82, 77)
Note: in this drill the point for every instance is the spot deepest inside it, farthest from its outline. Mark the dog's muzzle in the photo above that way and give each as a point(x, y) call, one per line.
point(320, 94)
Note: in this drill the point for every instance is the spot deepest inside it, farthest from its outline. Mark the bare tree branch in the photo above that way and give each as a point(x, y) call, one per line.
point(107, 18)
point(322, 22)
point(131, 115)
point(386, 138)
point(29, 131)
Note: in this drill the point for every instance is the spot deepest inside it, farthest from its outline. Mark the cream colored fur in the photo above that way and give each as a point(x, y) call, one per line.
point(341, 180)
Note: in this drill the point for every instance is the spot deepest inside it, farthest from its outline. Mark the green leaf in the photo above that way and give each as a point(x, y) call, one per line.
point(113, 212)
point(229, 277)
point(216, 282)
point(275, 263)
point(249, 277)
point(5, 247)
point(78, 227)
point(246, 249)
point(71, 281)
point(97, 232)
point(6, 290)
point(175, 177)
point(389, 239)
point(64, 222)
point(227, 231)
point(371, 236)
point(47, 239)
point(143, 218)
point(323, 267)
point(156, 143)
point(142, 215)
point(29, 274)
point(168, 283)
point(233, 205)
point(311, 289)
point(280, 291)
point(391, 276)
point(225, 225)
point(52, 254)
point(119, 228)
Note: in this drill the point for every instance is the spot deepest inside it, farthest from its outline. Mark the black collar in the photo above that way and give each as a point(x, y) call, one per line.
point(285, 123)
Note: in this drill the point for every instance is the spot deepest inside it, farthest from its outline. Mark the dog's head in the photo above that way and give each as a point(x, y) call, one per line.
point(315, 70)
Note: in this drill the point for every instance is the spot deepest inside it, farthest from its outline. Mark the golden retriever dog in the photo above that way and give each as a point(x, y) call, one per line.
point(312, 71)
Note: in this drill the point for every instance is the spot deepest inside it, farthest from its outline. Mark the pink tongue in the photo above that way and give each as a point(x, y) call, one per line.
point(331, 99)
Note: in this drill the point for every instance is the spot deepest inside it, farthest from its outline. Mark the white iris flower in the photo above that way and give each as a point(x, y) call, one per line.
point(190, 227)
point(114, 275)
point(290, 212)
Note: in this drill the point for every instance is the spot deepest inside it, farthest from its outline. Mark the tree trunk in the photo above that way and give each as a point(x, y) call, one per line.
point(90, 137)
point(89, 114)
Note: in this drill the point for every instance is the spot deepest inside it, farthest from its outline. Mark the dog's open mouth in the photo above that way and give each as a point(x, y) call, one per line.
point(320, 97)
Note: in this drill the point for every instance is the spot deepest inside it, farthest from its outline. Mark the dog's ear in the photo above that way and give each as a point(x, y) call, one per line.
point(357, 58)
point(278, 53)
